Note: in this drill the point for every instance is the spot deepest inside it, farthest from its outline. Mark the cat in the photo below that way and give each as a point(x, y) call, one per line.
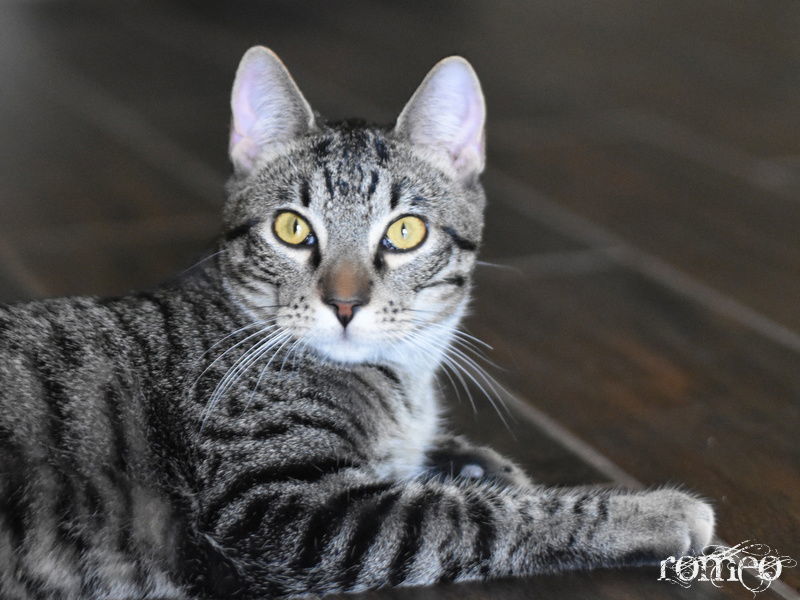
point(268, 425)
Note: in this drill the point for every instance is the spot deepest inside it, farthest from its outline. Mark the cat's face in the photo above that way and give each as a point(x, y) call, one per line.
point(355, 242)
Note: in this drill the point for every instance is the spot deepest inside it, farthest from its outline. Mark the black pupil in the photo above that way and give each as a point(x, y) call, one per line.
point(296, 226)
point(404, 230)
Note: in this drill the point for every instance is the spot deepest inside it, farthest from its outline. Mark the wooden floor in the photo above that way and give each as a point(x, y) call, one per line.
point(643, 229)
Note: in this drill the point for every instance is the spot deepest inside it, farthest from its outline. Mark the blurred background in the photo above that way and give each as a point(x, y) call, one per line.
point(641, 283)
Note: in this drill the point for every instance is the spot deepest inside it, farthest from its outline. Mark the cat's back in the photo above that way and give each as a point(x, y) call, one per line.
point(64, 373)
point(51, 337)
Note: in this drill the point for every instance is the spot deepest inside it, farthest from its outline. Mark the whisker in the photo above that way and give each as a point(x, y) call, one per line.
point(417, 340)
point(236, 370)
point(489, 396)
point(289, 353)
point(221, 356)
point(483, 263)
point(231, 334)
point(455, 331)
point(452, 357)
point(254, 391)
point(201, 261)
point(484, 375)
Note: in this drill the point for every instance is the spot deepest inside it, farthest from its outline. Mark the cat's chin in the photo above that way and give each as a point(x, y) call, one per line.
point(347, 351)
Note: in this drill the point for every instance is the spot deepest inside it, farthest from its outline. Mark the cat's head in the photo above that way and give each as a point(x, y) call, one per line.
point(357, 242)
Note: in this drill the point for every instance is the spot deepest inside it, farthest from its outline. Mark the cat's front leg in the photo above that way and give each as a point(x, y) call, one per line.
point(455, 456)
point(348, 534)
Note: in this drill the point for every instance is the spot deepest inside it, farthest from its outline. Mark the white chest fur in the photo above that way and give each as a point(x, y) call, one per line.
point(417, 425)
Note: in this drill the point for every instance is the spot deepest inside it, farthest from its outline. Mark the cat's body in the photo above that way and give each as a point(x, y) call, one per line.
point(269, 425)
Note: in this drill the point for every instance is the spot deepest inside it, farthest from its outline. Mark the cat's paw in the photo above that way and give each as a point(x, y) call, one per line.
point(675, 523)
point(456, 457)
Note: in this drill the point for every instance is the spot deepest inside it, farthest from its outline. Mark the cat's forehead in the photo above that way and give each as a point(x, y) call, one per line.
point(351, 142)
point(361, 170)
point(350, 166)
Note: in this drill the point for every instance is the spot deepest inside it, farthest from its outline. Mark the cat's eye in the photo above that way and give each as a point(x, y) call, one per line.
point(292, 229)
point(406, 233)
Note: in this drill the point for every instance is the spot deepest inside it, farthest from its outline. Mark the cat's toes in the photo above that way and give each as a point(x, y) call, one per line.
point(686, 525)
point(458, 458)
point(510, 474)
point(504, 472)
point(701, 526)
point(472, 471)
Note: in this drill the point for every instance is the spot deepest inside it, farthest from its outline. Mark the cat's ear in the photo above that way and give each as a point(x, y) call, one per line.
point(447, 114)
point(268, 108)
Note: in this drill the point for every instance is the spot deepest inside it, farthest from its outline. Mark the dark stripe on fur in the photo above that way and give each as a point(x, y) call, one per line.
point(241, 230)
point(381, 151)
point(305, 193)
point(456, 280)
point(328, 181)
point(326, 519)
point(462, 243)
point(241, 484)
point(373, 184)
point(411, 538)
point(367, 530)
point(322, 149)
point(388, 373)
point(481, 515)
point(394, 198)
point(452, 566)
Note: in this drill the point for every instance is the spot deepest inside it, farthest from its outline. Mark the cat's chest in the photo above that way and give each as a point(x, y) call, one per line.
point(401, 452)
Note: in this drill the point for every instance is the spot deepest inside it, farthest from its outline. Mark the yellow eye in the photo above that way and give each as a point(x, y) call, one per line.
point(406, 233)
point(293, 229)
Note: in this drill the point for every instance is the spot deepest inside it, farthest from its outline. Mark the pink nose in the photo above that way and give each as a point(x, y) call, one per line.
point(344, 309)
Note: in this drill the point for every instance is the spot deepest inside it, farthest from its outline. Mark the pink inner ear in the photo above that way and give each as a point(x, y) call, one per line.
point(242, 142)
point(459, 85)
point(448, 113)
point(471, 139)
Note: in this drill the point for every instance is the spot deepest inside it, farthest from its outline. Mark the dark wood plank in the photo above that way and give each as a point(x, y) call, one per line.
point(510, 432)
point(107, 259)
point(11, 289)
point(712, 226)
point(56, 169)
point(508, 234)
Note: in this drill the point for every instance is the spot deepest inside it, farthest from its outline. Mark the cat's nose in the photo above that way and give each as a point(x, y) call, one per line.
point(345, 310)
point(345, 287)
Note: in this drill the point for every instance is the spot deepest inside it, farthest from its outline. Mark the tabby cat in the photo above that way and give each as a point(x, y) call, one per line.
point(268, 425)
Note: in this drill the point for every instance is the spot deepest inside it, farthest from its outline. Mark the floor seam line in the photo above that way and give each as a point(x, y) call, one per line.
point(545, 210)
point(672, 136)
point(68, 87)
point(22, 275)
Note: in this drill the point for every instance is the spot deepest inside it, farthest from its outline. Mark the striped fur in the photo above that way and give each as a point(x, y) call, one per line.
point(220, 437)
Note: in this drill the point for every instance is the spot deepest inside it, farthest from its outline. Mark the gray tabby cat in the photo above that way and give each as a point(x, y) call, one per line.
point(269, 425)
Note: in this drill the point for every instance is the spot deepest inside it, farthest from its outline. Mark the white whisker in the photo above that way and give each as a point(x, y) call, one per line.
point(237, 344)
point(453, 355)
point(236, 370)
